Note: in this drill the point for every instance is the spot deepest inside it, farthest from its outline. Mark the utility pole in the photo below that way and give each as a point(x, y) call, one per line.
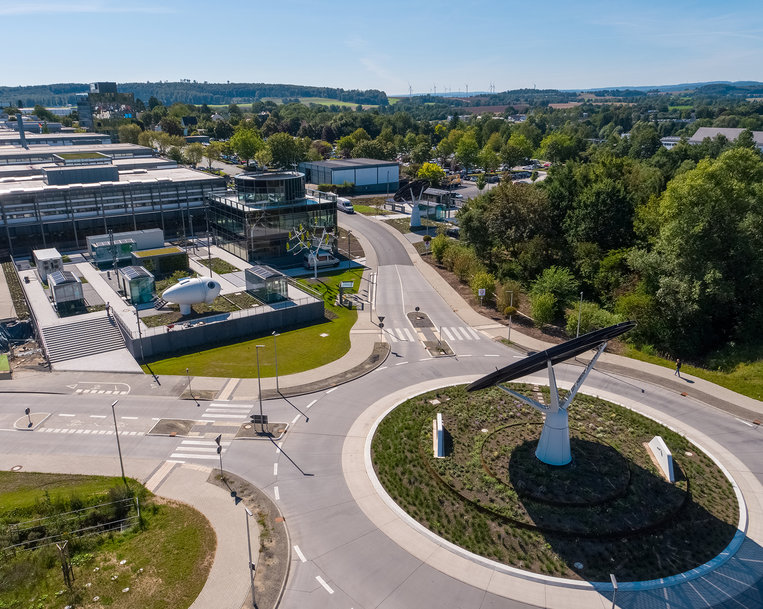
point(252, 566)
point(259, 387)
point(119, 448)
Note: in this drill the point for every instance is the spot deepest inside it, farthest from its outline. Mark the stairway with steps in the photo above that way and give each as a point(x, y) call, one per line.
point(82, 338)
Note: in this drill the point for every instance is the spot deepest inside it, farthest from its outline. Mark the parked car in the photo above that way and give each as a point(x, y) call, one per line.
point(324, 259)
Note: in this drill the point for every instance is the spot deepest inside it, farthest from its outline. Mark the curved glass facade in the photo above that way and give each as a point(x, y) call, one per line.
point(270, 189)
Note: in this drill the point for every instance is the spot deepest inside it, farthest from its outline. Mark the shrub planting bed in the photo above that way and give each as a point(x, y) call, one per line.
point(610, 510)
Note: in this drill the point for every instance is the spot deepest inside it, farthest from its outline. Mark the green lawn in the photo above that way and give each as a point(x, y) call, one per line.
point(219, 265)
point(298, 350)
point(368, 210)
point(166, 557)
point(745, 377)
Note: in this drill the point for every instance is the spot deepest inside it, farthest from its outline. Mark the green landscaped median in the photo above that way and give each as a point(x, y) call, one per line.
point(160, 562)
point(298, 350)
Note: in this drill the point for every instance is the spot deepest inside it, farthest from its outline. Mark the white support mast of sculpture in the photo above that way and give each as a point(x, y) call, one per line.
point(554, 444)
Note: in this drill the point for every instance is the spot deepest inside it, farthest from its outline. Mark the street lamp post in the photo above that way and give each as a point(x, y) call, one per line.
point(259, 386)
point(275, 351)
point(349, 249)
point(140, 337)
point(119, 448)
point(252, 566)
point(220, 452)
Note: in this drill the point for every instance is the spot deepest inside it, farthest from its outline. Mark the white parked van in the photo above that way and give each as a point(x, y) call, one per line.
point(324, 259)
point(344, 205)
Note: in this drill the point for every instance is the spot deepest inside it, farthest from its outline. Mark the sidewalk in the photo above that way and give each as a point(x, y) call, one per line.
point(227, 586)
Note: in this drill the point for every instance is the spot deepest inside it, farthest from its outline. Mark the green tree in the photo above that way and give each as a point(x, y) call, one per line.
point(516, 150)
point(434, 174)
point(440, 245)
point(706, 268)
point(488, 159)
point(146, 138)
point(467, 151)
point(558, 147)
point(543, 308)
point(483, 281)
point(213, 152)
point(285, 150)
point(193, 153)
point(246, 143)
point(592, 317)
point(171, 125)
point(129, 134)
point(481, 182)
point(560, 283)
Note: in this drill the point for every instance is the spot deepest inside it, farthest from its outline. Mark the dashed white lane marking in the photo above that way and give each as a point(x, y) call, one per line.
point(745, 422)
point(275, 469)
point(190, 456)
point(401, 363)
point(466, 355)
point(381, 367)
point(425, 359)
point(225, 416)
point(97, 416)
point(79, 431)
point(295, 419)
point(275, 493)
point(324, 584)
point(332, 389)
point(278, 447)
point(65, 415)
point(314, 401)
point(299, 553)
point(129, 418)
point(492, 355)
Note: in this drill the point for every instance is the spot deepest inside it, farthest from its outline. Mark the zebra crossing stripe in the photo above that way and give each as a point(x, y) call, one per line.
point(447, 333)
point(474, 333)
point(410, 336)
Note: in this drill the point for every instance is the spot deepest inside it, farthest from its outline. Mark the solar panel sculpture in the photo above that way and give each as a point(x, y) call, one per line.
point(554, 444)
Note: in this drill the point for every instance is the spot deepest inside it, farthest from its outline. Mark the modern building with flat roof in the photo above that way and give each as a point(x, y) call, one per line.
point(731, 134)
point(368, 175)
point(9, 137)
point(255, 220)
point(77, 197)
point(16, 155)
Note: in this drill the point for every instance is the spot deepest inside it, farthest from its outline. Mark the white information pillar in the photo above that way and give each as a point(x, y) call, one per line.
point(554, 444)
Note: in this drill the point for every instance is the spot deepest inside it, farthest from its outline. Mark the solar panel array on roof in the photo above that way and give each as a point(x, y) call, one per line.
point(61, 277)
point(133, 272)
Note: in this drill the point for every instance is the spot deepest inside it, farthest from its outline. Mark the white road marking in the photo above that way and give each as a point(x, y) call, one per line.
point(425, 359)
point(224, 416)
point(88, 431)
point(189, 456)
point(332, 389)
point(474, 333)
point(314, 401)
point(466, 355)
point(299, 553)
point(97, 416)
point(130, 418)
point(78, 391)
point(294, 420)
point(410, 336)
point(275, 493)
point(204, 442)
point(744, 422)
point(382, 367)
point(324, 584)
point(278, 447)
point(275, 469)
point(492, 355)
point(203, 449)
point(401, 363)
point(66, 415)
point(447, 333)
point(228, 405)
point(79, 431)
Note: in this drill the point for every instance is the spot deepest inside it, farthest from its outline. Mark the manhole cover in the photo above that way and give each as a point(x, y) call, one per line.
point(16, 468)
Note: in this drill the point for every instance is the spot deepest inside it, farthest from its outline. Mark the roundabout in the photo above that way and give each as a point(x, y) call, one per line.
point(512, 581)
point(608, 511)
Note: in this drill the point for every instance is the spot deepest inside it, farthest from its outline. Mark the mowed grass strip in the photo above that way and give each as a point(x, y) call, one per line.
point(298, 350)
point(167, 557)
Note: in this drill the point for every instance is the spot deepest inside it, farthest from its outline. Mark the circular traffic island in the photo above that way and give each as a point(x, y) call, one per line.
point(609, 510)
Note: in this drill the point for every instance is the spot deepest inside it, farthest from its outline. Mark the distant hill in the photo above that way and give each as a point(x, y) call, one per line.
point(188, 92)
point(688, 86)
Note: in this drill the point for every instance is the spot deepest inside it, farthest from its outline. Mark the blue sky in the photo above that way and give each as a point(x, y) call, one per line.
point(384, 45)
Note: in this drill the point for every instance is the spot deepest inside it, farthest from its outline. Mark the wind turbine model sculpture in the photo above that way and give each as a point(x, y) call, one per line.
point(303, 240)
point(554, 445)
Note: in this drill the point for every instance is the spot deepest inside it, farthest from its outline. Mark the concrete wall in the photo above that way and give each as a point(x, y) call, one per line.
point(231, 330)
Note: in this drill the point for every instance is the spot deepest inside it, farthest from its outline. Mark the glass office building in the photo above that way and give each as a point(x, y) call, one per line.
point(254, 220)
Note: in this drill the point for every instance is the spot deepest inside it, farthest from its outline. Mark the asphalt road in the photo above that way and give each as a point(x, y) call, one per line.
point(348, 562)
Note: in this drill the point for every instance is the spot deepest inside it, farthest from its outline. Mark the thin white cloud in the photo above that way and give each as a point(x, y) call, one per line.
point(94, 7)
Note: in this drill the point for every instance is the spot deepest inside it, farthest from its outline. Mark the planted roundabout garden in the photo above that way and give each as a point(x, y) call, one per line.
point(608, 511)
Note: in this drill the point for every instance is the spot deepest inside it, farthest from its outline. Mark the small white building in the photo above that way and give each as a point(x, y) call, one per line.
point(47, 261)
point(66, 289)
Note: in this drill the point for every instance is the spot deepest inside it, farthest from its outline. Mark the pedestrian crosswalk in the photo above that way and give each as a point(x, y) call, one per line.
point(204, 450)
point(450, 333)
point(225, 411)
point(94, 432)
